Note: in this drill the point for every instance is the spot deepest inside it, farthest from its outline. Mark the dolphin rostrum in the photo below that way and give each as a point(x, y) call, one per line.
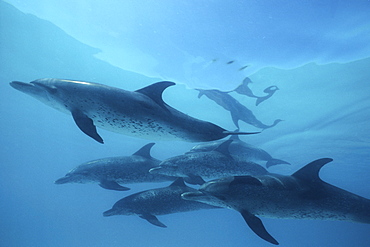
point(241, 150)
point(110, 173)
point(303, 195)
point(141, 113)
point(194, 167)
point(147, 204)
point(236, 109)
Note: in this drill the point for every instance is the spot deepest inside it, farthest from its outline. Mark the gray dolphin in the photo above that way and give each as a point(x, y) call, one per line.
point(237, 110)
point(244, 89)
point(111, 172)
point(147, 204)
point(242, 151)
point(141, 113)
point(303, 195)
point(195, 167)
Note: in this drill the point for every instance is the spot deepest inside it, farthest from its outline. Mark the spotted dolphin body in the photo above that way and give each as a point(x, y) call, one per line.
point(303, 195)
point(200, 166)
point(141, 113)
point(150, 203)
point(112, 172)
point(238, 111)
point(242, 151)
point(245, 90)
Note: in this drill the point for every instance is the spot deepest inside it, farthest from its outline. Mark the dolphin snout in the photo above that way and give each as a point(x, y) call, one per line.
point(109, 212)
point(155, 170)
point(20, 85)
point(63, 180)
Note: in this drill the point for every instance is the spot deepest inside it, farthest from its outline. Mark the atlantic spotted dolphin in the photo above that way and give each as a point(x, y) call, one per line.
point(141, 113)
point(303, 195)
point(238, 111)
point(199, 166)
point(242, 151)
point(244, 89)
point(150, 203)
point(112, 172)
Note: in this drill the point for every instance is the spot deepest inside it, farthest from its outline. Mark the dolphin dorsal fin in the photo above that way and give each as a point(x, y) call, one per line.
point(310, 172)
point(224, 148)
point(178, 182)
point(155, 91)
point(145, 151)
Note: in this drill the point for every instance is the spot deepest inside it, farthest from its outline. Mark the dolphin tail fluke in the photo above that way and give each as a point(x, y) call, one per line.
point(274, 162)
point(257, 227)
point(152, 219)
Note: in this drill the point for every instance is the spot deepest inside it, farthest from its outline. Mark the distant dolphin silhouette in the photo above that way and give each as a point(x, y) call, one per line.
point(244, 89)
point(237, 110)
point(303, 195)
point(150, 203)
point(141, 113)
point(112, 172)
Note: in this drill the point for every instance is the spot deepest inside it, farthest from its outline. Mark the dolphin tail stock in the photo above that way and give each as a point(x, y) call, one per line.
point(227, 133)
point(274, 162)
point(272, 125)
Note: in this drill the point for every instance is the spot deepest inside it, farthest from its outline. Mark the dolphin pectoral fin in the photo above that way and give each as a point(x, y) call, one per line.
point(152, 219)
point(257, 226)
point(112, 185)
point(194, 179)
point(86, 125)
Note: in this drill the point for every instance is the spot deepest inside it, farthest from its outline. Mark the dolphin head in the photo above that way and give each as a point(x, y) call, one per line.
point(212, 192)
point(121, 207)
point(78, 175)
point(47, 91)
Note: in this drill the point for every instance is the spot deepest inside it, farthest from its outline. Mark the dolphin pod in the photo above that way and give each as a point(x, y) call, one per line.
point(239, 183)
point(303, 195)
point(141, 113)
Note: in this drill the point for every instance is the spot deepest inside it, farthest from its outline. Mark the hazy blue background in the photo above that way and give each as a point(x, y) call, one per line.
point(318, 54)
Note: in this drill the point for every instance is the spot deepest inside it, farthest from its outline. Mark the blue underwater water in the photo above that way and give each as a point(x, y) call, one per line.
point(317, 54)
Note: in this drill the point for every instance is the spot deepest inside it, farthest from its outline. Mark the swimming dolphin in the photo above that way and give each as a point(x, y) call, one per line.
point(195, 167)
point(237, 110)
point(141, 113)
point(147, 204)
point(303, 195)
point(245, 90)
point(241, 150)
point(111, 172)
